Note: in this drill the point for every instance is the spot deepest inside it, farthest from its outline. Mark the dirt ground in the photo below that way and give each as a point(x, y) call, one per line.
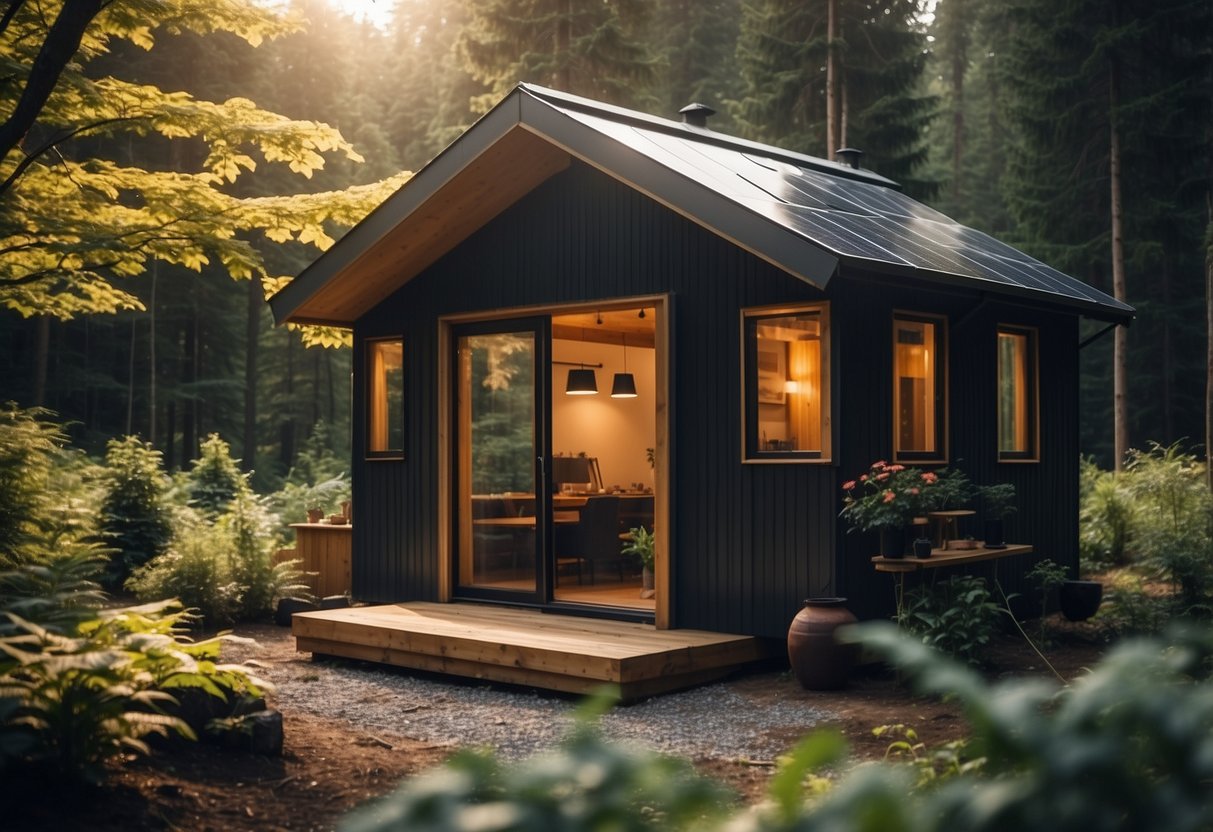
point(328, 767)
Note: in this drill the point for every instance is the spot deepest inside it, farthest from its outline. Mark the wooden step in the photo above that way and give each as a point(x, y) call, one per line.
point(526, 647)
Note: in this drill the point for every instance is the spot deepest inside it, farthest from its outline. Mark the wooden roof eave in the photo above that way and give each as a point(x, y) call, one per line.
point(340, 271)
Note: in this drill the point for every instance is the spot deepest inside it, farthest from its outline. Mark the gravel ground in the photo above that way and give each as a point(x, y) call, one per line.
point(715, 721)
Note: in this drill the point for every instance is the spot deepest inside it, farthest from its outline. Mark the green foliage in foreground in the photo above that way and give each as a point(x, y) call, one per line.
point(957, 616)
point(1128, 746)
point(70, 702)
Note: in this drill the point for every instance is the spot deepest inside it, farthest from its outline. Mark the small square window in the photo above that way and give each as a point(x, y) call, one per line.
point(787, 384)
point(1017, 394)
point(385, 398)
point(919, 384)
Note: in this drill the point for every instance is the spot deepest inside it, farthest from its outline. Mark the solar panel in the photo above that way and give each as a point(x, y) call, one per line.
point(852, 219)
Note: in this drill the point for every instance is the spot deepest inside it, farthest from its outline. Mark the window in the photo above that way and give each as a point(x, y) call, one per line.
point(786, 404)
point(385, 398)
point(919, 405)
point(1017, 391)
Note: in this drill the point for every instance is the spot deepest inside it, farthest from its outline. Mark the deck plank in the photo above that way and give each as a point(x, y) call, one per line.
point(526, 647)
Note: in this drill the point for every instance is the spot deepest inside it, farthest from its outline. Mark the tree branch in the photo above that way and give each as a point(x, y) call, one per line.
point(51, 144)
point(13, 7)
point(60, 46)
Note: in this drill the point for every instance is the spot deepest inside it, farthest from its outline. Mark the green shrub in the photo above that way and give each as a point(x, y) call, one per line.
point(215, 479)
point(135, 520)
point(222, 570)
point(956, 616)
point(1128, 746)
point(290, 503)
point(1131, 609)
point(1048, 577)
point(1106, 516)
point(30, 450)
point(58, 594)
point(586, 785)
point(72, 702)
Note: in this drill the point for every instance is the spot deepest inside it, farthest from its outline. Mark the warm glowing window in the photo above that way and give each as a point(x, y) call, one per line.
point(919, 407)
point(787, 384)
point(385, 398)
point(1016, 393)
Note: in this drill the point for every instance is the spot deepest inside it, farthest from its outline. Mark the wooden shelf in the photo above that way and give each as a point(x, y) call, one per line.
point(948, 557)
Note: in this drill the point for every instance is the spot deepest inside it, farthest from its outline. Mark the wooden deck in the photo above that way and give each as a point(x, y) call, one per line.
point(527, 647)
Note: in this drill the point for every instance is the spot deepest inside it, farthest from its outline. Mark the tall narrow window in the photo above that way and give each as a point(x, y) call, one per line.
point(786, 405)
point(919, 406)
point(1017, 391)
point(385, 398)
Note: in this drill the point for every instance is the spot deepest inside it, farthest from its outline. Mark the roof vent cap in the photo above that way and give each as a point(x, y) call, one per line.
point(696, 114)
point(848, 156)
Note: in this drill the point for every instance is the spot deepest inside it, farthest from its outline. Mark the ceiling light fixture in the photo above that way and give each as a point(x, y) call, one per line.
point(624, 386)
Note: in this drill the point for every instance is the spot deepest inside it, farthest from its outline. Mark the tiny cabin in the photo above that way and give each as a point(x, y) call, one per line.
point(580, 321)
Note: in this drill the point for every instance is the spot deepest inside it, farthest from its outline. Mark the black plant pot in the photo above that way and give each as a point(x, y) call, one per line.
point(1080, 599)
point(893, 543)
point(994, 536)
point(922, 548)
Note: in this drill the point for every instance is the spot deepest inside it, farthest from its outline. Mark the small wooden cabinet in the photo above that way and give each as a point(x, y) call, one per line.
point(325, 550)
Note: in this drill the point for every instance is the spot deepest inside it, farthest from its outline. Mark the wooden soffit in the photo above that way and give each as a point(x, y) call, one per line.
point(338, 293)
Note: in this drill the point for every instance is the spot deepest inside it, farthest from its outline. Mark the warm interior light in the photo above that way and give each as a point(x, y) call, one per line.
point(791, 386)
point(581, 382)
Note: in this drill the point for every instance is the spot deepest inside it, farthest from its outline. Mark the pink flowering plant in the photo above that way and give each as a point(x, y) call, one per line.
point(888, 496)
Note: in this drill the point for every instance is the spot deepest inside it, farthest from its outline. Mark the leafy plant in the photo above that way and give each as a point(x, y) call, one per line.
point(135, 520)
point(215, 480)
point(587, 784)
point(998, 500)
point(641, 545)
point(956, 616)
point(72, 701)
point(1106, 517)
point(30, 449)
point(224, 569)
point(887, 496)
point(1048, 577)
point(951, 490)
point(1131, 608)
point(933, 765)
point(58, 594)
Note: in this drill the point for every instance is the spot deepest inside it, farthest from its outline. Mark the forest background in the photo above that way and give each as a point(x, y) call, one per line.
point(1027, 119)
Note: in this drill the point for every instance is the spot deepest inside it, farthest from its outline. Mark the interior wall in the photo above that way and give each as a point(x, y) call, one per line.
point(617, 431)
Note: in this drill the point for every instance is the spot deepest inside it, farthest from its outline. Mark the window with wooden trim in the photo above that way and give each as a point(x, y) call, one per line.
point(786, 390)
point(1017, 394)
point(385, 398)
point(919, 389)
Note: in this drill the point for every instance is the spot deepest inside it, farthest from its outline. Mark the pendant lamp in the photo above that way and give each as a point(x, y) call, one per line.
point(581, 382)
point(624, 386)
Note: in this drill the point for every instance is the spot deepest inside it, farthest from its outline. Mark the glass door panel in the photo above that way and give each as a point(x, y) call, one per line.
point(501, 524)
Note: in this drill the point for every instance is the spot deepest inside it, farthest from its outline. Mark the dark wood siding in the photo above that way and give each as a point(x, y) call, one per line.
point(1046, 491)
point(749, 540)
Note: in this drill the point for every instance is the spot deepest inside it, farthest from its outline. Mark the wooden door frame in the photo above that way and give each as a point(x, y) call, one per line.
point(663, 527)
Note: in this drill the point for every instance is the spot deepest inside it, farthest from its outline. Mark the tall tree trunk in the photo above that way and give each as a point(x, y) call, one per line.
point(1120, 421)
point(130, 382)
point(252, 332)
point(564, 40)
point(189, 412)
point(151, 356)
point(831, 78)
point(286, 450)
point(959, 65)
point(1209, 340)
point(42, 351)
point(170, 438)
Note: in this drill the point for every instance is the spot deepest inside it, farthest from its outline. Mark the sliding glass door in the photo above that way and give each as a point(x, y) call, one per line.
point(502, 504)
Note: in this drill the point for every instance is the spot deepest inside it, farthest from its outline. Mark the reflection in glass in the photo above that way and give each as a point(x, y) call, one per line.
point(1016, 389)
point(789, 392)
point(497, 453)
point(385, 396)
point(914, 390)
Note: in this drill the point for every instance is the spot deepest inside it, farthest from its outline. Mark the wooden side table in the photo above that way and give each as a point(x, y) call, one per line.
point(945, 530)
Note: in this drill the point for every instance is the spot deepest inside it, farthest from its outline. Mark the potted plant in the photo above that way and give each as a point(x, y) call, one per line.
point(640, 544)
point(887, 499)
point(999, 503)
point(1080, 599)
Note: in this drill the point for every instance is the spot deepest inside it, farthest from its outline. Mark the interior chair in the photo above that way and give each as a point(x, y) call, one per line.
point(594, 541)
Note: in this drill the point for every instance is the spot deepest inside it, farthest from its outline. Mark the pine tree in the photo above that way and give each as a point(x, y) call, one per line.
point(590, 49)
point(881, 56)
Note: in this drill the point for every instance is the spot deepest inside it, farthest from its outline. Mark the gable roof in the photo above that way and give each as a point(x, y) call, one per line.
point(803, 214)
